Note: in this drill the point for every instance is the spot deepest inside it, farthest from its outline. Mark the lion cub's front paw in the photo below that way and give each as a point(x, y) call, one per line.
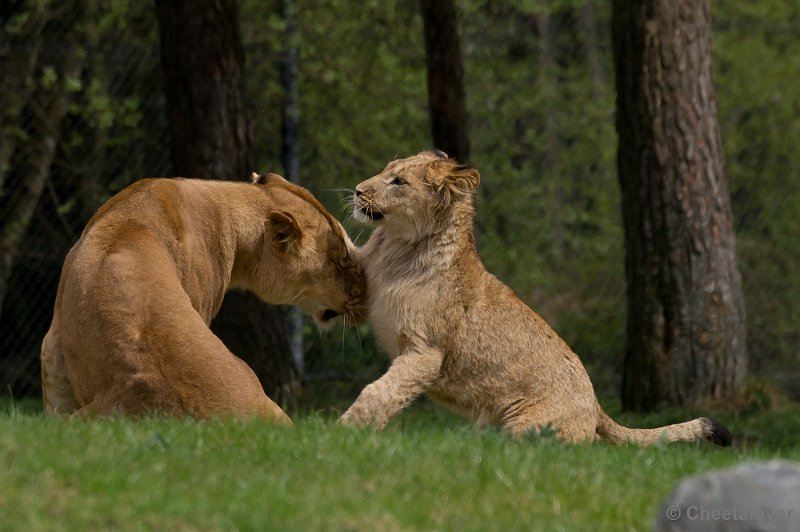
point(368, 409)
point(354, 418)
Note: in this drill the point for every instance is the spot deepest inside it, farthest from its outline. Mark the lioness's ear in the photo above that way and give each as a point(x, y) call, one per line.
point(263, 179)
point(284, 230)
point(337, 247)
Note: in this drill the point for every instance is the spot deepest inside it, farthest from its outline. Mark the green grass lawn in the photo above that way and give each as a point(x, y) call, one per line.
point(426, 471)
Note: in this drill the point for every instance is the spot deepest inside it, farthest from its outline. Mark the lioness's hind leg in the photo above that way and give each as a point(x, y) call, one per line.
point(270, 411)
point(57, 392)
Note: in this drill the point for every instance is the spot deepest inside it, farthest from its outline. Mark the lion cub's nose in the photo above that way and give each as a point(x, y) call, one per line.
point(359, 192)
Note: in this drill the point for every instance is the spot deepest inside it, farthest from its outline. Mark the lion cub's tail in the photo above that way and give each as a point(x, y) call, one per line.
point(702, 427)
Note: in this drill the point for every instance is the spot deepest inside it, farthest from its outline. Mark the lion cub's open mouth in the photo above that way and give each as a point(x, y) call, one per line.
point(369, 212)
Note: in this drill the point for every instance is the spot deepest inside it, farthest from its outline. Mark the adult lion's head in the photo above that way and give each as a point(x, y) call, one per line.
point(317, 267)
point(415, 195)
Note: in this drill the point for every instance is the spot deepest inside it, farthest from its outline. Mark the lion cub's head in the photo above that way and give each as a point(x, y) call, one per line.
point(417, 194)
point(308, 260)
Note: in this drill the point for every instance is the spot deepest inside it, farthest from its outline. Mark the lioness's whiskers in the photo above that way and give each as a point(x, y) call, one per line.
point(344, 324)
point(298, 295)
point(358, 333)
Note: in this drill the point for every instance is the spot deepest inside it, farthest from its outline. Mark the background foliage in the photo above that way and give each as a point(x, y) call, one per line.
point(541, 122)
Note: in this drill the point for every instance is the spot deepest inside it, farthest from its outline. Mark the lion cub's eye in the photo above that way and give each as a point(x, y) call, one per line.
point(397, 180)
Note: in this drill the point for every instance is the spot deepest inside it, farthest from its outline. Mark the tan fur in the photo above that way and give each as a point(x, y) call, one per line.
point(455, 332)
point(130, 328)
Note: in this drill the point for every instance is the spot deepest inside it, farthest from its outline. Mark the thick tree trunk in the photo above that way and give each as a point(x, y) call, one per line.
point(686, 330)
point(445, 78)
point(203, 63)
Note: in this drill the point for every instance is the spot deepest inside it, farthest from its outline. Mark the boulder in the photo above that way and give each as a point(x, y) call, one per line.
point(757, 496)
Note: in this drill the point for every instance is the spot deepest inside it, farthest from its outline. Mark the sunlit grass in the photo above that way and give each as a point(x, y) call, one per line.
point(426, 471)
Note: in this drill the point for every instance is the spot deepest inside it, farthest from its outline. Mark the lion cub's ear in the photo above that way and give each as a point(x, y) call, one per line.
point(453, 181)
point(464, 178)
point(284, 230)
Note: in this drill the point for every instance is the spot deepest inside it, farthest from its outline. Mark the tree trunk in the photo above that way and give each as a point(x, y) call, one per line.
point(685, 329)
point(445, 78)
point(203, 63)
point(591, 47)
point(547, 83)
point(290, 147)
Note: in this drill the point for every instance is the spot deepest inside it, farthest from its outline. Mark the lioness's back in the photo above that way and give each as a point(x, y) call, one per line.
point(138, 290)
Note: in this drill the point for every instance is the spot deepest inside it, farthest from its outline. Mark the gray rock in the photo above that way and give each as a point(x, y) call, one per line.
point(753, 497)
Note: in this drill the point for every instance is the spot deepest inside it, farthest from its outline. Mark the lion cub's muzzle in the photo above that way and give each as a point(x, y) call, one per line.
point(363, 209)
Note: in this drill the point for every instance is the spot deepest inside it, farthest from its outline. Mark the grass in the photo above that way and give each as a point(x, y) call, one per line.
point(426, 471)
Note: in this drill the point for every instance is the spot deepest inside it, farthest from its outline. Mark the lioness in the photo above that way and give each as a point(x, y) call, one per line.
point(130, 329)
point(457, 333)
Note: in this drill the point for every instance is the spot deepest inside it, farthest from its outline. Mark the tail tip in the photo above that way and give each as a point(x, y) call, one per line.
point(715, 432)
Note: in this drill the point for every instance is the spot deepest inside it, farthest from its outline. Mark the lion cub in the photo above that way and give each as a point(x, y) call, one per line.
point(455, 332)
point(130, 326)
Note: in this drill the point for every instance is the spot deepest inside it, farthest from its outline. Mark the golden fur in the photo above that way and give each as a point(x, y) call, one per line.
point(130, 328)
point(455, 332)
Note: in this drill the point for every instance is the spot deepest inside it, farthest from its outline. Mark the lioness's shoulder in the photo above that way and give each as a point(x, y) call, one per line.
point(121, 198)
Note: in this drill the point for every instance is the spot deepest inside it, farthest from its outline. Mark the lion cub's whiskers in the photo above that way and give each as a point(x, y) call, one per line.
point(358, 236)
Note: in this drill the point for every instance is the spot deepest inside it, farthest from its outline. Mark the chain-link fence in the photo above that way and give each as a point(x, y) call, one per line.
point(83, 116)
point(89, 120)
point(86, 119)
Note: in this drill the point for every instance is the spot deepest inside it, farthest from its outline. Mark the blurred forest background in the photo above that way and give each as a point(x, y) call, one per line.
point(83, 115)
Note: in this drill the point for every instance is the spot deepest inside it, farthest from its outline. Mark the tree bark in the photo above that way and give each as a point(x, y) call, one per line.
point(591, 47)
point(446, 98)
point(203, 63)
point(547, 83)
point(685, 324)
